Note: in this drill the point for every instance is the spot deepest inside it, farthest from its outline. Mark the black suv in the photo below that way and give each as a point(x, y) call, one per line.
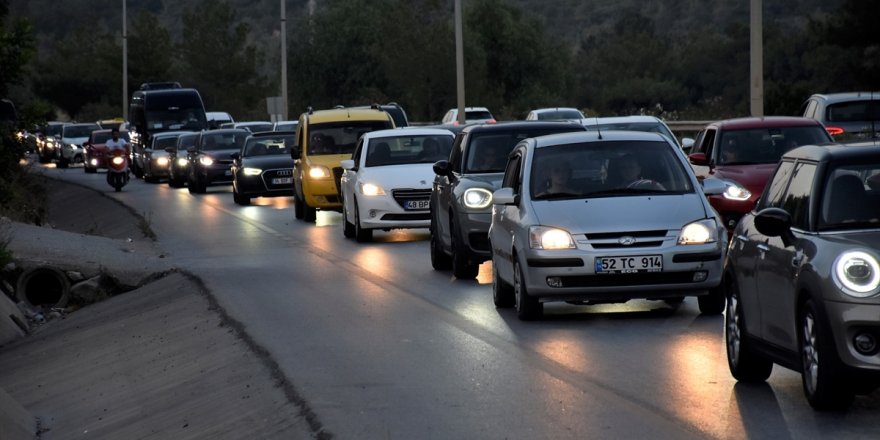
point(461, 196)
point(210, 160)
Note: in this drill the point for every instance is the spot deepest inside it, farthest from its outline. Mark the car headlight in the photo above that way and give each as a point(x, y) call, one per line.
point(735, 191)
point(369, 189)
point(857, 273)
point(251, 171)
point(544, 237)
point(699, 232)
point(206, 161)
point(319, 172)
point(162, 161)
point(477, 198)
point(182, 162)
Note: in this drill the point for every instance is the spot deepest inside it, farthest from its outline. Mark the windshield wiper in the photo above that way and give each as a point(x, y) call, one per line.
point(558, 195)
point(622, 191)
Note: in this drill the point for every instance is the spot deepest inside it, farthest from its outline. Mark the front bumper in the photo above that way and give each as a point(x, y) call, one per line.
point(387, 211)
point(321, 193)
point(847, 320)
point(158, 168)
point(474, 230)
point(269, 183)
point(218, 172)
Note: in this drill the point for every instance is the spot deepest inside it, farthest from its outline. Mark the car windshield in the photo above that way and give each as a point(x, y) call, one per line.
point(556, 115)
point(79, 131)
point(607, 169)
point(187, 140)
point(650, 127)
point(257, 127)
point(175, 112)
point(230, 140)
point(851, 197)
point(265, 146)
point(163, 142)
point(340, 137)
point(487, 152)
point(53, 129)
point(854, 111)
point(765, 145)
point(408, 150)
point(104, 136)
point(286, 126)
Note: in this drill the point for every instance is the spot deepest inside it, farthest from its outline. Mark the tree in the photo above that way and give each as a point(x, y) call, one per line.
point(16, 49)
point(151, 52)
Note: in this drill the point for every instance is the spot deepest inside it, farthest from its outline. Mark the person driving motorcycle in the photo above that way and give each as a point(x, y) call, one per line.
point(115, 143)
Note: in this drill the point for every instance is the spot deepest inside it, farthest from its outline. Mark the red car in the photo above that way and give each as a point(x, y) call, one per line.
point(95, 149)
point(743, 153)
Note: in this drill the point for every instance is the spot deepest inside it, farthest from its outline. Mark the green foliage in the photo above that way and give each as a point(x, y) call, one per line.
point(151, 55)
point(22, 194)
point(16, 49)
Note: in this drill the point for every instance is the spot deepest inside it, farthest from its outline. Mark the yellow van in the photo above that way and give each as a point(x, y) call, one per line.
point(323, 139)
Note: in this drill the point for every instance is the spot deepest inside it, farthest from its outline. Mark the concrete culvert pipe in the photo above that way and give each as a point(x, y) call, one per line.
point(43, 286)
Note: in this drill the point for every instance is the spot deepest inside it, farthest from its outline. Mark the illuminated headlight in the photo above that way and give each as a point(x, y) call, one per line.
point(700, 232)
point(162, 161)
point(734, 191)
point(477, 198)
point(94, 162)
point(118, 160)
point(182, 162)
point(369, 189)
point(543, 237)
point(319, 172)
point(857, 273)
point(251, 171)
point(206, 161)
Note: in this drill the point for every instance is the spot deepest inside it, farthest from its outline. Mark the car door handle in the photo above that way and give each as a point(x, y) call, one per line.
point(763, 247)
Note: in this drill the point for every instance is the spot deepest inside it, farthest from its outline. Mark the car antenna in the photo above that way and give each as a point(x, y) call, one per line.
point(599, 130)
point(873, 118)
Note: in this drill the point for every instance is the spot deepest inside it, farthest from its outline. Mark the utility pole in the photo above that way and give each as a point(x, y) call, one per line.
point(756, 82)
point(459, 62)
point(124, 63)
point(284, 61)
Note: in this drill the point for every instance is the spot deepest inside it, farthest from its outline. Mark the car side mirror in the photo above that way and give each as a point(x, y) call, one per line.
point(698, 159)
point(713, 187)
point(347, 164)
point(687, 144)
point(170, 150)
point(441, 168)
point(775, 222)
point(505, 196)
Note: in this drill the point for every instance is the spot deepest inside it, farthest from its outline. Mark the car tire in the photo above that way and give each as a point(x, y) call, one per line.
point(713, 302)
point(89, 170)
point(347, 226)
point(439, 259)
point(503, 294)
point(744, 363)
point(528, 308)
point(825, 385)
point(360, 234)
point(43, 158)
point(309, 214)
point(174, 182)
point(462, 268)
point(240, 199)
point(63, 162)
point(299, 209)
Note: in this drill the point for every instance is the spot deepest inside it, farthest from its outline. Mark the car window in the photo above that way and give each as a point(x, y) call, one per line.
point(810, 112)
point(851, 197)
point(606, 169)
point(160, 143)
point(797, 198)
point(340, 137)
point(186, 141)
point(853, 111)
point(776, 188)
point(555, 115)
point(455, 158)
point(512, 174)
point(766, 145)
point(708, 144)
point(401, 150)
point(477, 114)
point(231, 140)
point(267, 146)
point(487, 152)
point(358, 152)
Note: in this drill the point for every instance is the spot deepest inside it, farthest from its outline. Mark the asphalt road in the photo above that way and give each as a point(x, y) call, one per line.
point(382, 346)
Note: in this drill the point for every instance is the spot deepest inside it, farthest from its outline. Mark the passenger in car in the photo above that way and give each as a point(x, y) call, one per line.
point(558, 181)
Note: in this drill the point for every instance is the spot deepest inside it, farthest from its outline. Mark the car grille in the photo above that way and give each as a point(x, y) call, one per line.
point(405, 217)
point(402, 195)
point(268, 175)
point(628, 279)
point(613, 240)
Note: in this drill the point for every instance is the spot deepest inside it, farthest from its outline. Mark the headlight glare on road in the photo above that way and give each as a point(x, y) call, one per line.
point(477, 198)
point(251, 171)
point(206, 161)
point(369, 189)
point(735, 191)
point(543, 237)
point(857, 273)
point(699, 232)
point(319, 172)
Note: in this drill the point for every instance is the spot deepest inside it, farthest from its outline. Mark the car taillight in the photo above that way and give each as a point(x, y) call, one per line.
point(834, 131)
point(491, 121)
point(455, 122)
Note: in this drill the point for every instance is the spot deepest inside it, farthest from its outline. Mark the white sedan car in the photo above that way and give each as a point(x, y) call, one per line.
point(387, 182)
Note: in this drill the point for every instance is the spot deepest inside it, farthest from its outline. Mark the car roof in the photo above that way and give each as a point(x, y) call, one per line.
point(351, 113)
point(225, 130)
point(834, 152)
point(620, 119)
point(765, 122)
point(407, 131)
point(170, 133)
point(262, 134)
point(594, 136)
point(553, 109)
point(515, 125)
point(846, 96)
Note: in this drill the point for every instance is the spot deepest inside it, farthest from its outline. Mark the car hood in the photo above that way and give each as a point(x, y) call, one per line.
point(220, 154)
point(268, 162)
point(414, 176)
point(76, 141)
point(620, 214)
point(753, 177)
point(864, 239)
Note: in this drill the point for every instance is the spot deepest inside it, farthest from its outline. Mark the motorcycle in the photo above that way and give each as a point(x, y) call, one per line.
point(117, 169)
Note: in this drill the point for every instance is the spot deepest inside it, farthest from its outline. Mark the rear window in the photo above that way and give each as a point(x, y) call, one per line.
point(340, 137)
point(470, 115)
point(766, 145)
point(487, 152)
point(854, 111)
point(556, 115)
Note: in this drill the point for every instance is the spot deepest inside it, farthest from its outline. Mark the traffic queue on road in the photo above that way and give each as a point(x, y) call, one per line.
point(770, 219)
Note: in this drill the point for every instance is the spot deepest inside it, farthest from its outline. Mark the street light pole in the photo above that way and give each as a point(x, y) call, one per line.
point(756, 83)
point(284, 61)
point(459, 62)
point(124, 64)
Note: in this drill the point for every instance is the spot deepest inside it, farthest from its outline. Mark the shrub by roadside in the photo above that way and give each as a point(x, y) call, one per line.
point(22, 193)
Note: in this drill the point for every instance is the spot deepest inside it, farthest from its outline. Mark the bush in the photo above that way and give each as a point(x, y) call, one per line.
point(22, 193)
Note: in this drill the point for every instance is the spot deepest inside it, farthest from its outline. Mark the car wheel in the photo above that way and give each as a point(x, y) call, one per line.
point(745, 365)
point(528, 308)
point(461, 267)
point(309, 213)
point(240, 199)
point(298, 207)
point(360, 234)
point(347, 226)
point(712, 303)
point(824, 385)
point(89, 170)
point(439, 259)
point(43, 158)
point(63, 162)
point(502, 293)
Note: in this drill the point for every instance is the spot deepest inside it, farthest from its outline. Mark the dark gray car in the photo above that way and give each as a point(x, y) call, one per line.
point(846, 116)
point(461, 196)
point(802, 279)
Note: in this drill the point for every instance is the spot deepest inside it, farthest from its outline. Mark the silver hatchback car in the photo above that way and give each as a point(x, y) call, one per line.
point(602, 217)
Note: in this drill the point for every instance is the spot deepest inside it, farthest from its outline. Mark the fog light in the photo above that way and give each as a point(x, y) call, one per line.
point(865, 343)
point(372, 213)
point(700, 275)
point(731, 223)
point(554, 281)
